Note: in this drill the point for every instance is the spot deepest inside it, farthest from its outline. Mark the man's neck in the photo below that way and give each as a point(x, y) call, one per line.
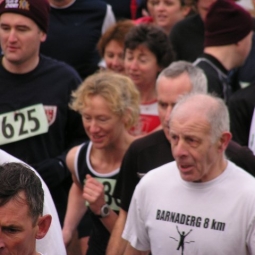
point(61, 3)
point(20, 68)
point(223, 54)
point(218, 168)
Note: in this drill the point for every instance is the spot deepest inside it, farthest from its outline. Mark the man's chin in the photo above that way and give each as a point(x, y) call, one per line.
point(188, 177)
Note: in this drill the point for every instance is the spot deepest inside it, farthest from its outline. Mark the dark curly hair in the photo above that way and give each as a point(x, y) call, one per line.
point(154, 39)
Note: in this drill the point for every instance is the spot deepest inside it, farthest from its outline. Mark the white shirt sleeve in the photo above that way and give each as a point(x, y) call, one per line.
point(135, 231)
point(252, 134)
point(109, 19)
point(52, 243)
point(250, 240)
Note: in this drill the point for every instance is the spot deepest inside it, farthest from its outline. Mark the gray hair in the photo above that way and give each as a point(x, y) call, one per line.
point(197, 77)
point(213, 108)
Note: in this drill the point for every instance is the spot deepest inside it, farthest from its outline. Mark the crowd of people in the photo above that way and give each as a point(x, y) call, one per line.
point(96, 94)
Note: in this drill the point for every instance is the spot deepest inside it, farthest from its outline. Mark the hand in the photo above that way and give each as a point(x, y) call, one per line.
point(93, 192)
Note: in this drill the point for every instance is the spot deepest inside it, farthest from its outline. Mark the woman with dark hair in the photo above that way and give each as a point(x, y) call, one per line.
point(147, 51)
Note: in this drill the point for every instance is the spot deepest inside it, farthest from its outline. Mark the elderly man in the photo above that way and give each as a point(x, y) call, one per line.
point(191, 204)
point(154, 150)
point(21, 192)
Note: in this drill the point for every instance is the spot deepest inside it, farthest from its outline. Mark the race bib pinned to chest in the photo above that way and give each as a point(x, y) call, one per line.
point(109, 186)
point(23, 123)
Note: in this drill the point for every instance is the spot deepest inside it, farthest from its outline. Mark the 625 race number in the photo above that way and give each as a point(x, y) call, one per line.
point(23, 123)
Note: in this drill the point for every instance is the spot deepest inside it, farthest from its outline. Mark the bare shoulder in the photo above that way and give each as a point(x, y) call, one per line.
point(70, 158)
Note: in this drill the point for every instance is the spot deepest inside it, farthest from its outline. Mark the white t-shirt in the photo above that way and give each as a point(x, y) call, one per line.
point(252, 134)
point(52, 243)
point(170, 216)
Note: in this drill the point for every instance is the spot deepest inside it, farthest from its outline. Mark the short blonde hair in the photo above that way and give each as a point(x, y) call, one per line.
point(118, 90)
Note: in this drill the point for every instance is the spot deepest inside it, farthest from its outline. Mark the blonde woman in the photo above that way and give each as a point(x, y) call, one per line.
point(109, 106)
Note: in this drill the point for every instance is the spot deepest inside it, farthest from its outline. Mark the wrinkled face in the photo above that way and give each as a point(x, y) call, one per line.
point(203, 7)
point(114, 56)
point(141, 66)
point(102, 126)
point(17, 233)
point(166, 13)
point(192, 147)
point(168, 92)
point(20, 39)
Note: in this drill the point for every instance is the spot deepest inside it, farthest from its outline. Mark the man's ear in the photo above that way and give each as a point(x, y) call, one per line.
point(43, 36)
point(224, 141)
point(43, 225)
point(160, 69)
point(185, 10)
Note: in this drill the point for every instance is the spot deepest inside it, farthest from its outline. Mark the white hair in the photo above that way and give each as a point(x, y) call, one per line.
point(196, 75)
point(213, 108)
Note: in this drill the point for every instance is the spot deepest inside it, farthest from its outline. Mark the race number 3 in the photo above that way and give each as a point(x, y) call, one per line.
point(23, 123)
point(109, 185)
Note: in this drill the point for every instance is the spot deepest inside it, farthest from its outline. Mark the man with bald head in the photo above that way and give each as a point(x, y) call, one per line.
point(192, 205)
point(154, 150)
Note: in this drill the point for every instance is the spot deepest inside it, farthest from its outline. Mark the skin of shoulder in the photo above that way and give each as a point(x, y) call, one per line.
point(70, 161)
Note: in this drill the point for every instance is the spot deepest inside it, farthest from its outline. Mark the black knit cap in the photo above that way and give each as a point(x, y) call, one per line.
point(226, 23)
point(37, 10)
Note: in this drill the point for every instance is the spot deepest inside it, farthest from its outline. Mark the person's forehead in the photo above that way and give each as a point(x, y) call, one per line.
point(205, 3)
point(141, 49)
point(114, 47)
point(189, 123)
point(195, 109)
point(16, 19)
point(21, 209)
point(164, 1)
point(176, 86)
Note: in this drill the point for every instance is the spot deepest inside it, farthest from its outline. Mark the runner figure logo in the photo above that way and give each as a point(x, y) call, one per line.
point(183, 235)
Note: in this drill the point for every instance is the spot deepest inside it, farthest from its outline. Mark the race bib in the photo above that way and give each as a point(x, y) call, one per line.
point(23, 123)
point(109, 185)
